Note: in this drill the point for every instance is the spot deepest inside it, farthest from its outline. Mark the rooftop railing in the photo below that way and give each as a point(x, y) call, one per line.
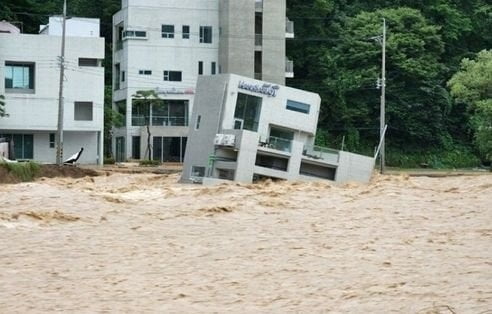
point(322, 153)
point(277, 143)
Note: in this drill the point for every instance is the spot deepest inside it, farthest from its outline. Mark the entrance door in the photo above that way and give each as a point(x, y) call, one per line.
point(120, 149)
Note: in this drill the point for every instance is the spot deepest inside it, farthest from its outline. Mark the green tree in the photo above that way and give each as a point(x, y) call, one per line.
point(112, 118)
point(145, 99)
point(473, 86)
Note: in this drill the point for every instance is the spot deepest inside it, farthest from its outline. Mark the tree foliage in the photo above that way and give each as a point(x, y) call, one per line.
point(473, 86)
point(2, 107)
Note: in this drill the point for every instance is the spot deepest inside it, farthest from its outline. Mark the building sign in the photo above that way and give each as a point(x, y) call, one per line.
point(174, 91)
point(265, 89)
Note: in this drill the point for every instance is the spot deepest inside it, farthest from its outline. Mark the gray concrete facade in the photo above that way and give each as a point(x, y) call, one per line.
point(243, 129)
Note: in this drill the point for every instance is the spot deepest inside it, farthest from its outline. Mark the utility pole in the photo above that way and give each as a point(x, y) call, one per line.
point(382, 119)
point(59, 141)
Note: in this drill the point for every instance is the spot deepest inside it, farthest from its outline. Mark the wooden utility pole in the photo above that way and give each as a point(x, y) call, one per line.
point(382, 119)
point(59, 141)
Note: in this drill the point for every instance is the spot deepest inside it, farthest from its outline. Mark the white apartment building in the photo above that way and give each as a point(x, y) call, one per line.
point(165, 45)
point(29, 79)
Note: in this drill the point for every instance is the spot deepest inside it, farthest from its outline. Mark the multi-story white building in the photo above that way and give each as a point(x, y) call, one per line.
point(244, 129)
point(165, 45)
point(29, 79)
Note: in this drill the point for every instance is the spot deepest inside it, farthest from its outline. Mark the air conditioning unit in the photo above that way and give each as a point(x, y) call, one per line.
point(219, 138)
point(229, 140)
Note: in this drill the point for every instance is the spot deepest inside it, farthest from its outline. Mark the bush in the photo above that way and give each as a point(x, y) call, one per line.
point(149, 163)
point(24, 171)
point(109, 161)
point(459, 157)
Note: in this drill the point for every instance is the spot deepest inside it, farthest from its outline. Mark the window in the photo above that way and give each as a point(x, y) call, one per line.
point(145, 72)
point(198, 120)
point(200, 67)
point(247, 111)
point(186, 32)
point(19, 75)
point(23, 145)
point(136, 147)
point(52, 140)
point(123, 76)
point(174, 76)
point(206, 34)
point(197, 171)
point(298, 106)
point(116, 76)
point(88, 62)
point(214, 66)
point(83, 111)
point(134, 34)
point(167, 31)
point(169, 149)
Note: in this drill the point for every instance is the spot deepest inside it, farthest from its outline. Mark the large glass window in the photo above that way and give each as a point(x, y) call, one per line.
point(160, 112)
point(169, 149)
point(19, 75)
point(298, 106)
point(206, 34)
point(83, 111)
point(136, 147)
point(172, 76)
point(23, 145)
point(247, 113)
point(167, 31)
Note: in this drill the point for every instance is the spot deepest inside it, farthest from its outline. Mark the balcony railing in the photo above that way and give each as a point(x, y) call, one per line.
point(323, 153)
point(169, 121)
point(289, 28)
point(141, 120)
point(277, 143)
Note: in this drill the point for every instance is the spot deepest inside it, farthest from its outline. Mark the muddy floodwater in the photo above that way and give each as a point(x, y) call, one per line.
point(142, 243)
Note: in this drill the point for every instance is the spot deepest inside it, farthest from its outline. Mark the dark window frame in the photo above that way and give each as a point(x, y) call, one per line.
point(206, 34)
point(298, 106)
point(167, 31)
point(186, 31)
point(81, 104)
point(173, 76)
point(10, 87)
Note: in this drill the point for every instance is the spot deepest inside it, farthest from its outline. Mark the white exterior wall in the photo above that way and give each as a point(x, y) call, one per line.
point(159, 54)
point(74, 27)
point(37, 113)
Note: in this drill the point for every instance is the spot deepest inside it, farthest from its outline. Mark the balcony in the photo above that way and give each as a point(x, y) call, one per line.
point(289, 29)
point(324, 154)
point(277, 143)
point(141, 120)
point(289, 68)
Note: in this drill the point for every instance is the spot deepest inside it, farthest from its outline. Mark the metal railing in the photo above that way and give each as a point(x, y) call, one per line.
point(169, 121)
point(277, 143)
point(289, 27)
point(323, 153)
point(289, 66)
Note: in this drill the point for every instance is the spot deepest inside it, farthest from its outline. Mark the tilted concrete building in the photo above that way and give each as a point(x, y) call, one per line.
point(244, 129)
point(29, 79)
point(165, 45)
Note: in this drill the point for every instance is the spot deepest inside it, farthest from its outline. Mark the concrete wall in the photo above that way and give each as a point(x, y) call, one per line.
point(208, 105)
point(237, 40)
point(354, 167)
point(75, 27)
point(273, 49)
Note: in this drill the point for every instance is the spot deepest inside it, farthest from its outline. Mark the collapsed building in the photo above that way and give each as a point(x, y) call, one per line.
point(243, 130)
